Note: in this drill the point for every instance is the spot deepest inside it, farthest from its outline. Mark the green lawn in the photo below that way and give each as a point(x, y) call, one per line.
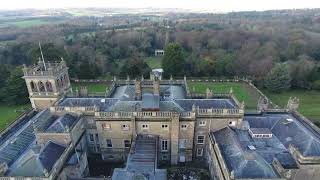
point(10, 113)
point(23, 23)
point(92, 87)
point(309, 101)
point(242, 91)
point(153, 62)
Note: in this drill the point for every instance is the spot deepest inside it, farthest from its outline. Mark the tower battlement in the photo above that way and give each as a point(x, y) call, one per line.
point(45, 69)
point(46, 83)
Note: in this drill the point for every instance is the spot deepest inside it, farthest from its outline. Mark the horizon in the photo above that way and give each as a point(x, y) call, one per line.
point(205, 5)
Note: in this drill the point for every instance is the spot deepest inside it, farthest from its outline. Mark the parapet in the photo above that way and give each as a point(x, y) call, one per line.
point(45, 69)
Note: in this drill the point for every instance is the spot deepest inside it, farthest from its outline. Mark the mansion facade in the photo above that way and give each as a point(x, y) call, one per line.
point(144, 122)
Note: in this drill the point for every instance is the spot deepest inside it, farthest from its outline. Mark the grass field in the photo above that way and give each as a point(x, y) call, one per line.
point(10, 113)
point(242, 91)
point(153, 62)
point(309, 101)
point(92, 87)
point(29, 22)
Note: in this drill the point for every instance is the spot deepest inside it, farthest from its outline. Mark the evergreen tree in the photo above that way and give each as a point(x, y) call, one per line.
point(173, 61)
point(278, 79)
point(16, 90)
point(135, 67)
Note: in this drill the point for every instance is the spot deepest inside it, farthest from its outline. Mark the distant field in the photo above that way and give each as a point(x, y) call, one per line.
point(9, 113)
point(153, 62)
point(92, 87)
point(23, 23)
point(309, 101)
point(242, 91)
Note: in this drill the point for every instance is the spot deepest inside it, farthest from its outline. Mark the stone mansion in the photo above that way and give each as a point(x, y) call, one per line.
point(143, 122)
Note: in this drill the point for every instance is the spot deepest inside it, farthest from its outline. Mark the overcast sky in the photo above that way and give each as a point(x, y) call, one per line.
point(219, 5)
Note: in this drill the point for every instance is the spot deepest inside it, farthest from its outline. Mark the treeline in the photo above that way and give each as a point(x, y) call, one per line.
point(272, 48)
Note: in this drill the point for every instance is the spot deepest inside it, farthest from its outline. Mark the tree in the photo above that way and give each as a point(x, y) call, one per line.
point(278, 79)
point(16, 90)
point(135, 67)
point(300, 72)
point(173, 61)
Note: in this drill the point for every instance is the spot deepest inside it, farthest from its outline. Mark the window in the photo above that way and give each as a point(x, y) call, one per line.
point(183, 143)
point(200, 139)
point(202, 123)
point(165, 126)
point(106, 126)
point(98, 148)
point(127, 143)
point(125, 127)
point(91, 139)
point(199, 152)
point(164, 157)
point(184, 126)
point(145, 126)
point(109, 143)
point(97, 138)
point(164, 145)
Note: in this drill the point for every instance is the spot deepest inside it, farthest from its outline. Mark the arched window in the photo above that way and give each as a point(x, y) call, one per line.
point(62, 82)
point(41, 86)
point(58, 83)
point(49, 86)
point(65, 79)
point(33, 87)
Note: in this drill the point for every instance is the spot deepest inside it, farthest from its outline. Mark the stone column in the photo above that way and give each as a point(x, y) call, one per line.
point(156, 87)
point(138, 89)
point(133, 124)
point(175, 138)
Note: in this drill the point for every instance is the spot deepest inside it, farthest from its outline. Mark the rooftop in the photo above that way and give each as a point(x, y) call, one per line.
point(171, 98)
point(246, 162)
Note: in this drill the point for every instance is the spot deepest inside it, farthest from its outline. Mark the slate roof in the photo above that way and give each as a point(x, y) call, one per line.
point(16, 145)
point(103, 103)
point(150, 101)
point(50, 154)
point(242, 162)
point(260, 131)
point(62, 123)
point(294, 132)
point(187, 104)
point(245, 163)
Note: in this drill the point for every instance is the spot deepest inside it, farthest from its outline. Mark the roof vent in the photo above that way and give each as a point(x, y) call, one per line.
point(251, 147)
point(290, 120)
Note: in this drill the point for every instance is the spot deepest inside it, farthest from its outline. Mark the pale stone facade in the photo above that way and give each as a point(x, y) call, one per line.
point(184, 126)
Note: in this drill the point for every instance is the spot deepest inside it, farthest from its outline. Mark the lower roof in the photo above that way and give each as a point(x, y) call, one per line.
point(245, 162)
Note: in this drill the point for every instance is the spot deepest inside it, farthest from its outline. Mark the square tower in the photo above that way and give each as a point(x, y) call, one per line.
point(46, 83)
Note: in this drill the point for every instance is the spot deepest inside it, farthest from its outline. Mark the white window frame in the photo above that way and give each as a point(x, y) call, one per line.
point(164, 147)
point(199, 152)
point(125, 127)
point(145, 126)
point(183, 143)
point(204, 137)
point(202, 123)
point(106, 126)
